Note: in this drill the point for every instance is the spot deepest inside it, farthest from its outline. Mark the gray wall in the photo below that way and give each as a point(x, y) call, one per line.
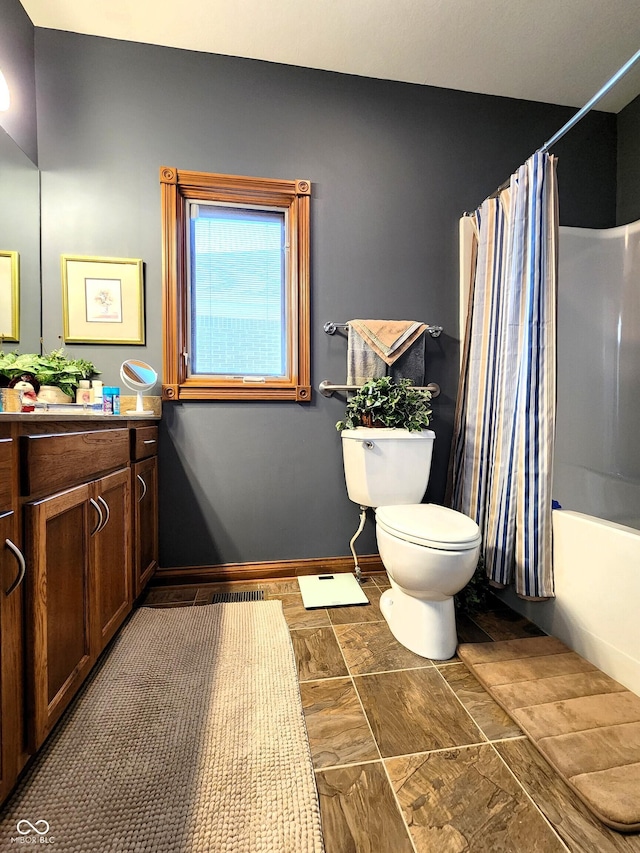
point(392, 165)
point(629, 163)
point(17, 65)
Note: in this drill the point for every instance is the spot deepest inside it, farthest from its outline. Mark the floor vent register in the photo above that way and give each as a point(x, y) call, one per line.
point(230, 597)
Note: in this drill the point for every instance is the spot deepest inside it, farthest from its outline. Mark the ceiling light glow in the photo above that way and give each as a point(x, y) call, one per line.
point(5, 98)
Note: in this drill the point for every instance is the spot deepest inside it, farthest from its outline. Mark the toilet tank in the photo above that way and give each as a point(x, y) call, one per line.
point(385, 467)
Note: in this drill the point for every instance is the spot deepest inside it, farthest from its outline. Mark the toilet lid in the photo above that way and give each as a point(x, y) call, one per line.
point(430, 525)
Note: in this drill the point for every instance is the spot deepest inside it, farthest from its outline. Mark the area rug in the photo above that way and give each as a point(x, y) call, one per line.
point(584, 723)
point(189, 737)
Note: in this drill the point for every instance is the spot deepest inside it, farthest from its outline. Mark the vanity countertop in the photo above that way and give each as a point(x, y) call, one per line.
point(152, 412)
point(80, 416)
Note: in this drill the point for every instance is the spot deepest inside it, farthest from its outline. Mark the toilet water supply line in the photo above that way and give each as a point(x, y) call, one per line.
point(363, 521)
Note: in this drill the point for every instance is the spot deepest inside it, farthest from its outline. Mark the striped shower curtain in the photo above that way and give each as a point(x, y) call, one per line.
point(502, 452)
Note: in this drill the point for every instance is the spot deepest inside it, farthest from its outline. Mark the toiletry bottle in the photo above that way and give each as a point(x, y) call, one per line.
point(107, 400)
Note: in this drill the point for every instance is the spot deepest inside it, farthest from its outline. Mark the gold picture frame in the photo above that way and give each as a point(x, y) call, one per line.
point(9, 296)
point(102, 300)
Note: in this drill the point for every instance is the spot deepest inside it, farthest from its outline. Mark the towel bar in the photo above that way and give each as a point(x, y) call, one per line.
point(330, 328)
point(327, 388)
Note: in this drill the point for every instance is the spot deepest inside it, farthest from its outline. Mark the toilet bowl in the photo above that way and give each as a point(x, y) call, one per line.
point(430, 553)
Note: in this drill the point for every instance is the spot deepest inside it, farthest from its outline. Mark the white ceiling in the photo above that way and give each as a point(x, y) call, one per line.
point(556, 51)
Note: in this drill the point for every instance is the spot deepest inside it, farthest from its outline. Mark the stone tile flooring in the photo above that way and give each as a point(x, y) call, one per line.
point(413, 754)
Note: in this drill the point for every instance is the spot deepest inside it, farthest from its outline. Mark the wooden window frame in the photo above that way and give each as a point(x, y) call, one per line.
point(177, 188)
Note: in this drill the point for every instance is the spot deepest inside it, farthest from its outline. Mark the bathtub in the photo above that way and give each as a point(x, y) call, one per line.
point(596, 611)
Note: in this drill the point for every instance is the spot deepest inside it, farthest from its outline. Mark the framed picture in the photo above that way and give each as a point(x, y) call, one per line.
point(103, 300)
point(9, 296)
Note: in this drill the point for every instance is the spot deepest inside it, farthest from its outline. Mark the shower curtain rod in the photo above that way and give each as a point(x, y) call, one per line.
point(579, 115)
point(590, 104)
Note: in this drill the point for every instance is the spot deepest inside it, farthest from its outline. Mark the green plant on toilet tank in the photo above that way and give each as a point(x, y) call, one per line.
point(53, 368)
point(385, 403)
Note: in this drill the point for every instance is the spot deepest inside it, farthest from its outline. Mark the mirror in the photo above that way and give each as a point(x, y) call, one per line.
point(139, 376)
point(20, 233)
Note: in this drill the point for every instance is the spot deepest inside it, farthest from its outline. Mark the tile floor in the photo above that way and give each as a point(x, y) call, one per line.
point(412, 754)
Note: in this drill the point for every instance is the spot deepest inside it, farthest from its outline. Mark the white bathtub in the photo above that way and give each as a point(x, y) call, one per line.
point(596, 611)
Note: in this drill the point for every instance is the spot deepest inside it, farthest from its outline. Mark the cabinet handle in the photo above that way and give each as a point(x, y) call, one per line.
point(144, 486)
point(106, 506)
point(23, 568)
point(100, 516)
point(149, 441)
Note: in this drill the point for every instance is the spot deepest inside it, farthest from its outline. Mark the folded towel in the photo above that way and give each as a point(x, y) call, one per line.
point(388, 338)
point(410, 365)
point(362, 362)
point(386, 335)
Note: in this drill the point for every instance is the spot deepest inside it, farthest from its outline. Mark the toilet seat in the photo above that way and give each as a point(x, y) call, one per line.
point(430, 525)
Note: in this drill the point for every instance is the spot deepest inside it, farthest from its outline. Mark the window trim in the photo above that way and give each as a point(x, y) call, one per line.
point(177, 187)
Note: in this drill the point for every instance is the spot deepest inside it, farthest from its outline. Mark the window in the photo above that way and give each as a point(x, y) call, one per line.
point(236, 287)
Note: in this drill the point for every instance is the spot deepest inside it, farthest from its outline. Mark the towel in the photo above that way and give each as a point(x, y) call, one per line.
point(410, 365)
point(388, 338)
point(362, 362)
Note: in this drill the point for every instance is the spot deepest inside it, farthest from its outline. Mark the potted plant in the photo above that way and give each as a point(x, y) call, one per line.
point(50, 369)
point(385, 403)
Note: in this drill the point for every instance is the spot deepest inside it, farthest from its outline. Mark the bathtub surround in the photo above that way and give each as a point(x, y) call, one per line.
point(502, 453)
point(597, 464)
point(186, 701)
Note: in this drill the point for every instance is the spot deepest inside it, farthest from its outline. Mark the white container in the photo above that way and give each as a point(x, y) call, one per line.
point(52, 394)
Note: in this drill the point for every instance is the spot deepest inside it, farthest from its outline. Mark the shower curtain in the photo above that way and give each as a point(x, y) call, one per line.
point(502, 452)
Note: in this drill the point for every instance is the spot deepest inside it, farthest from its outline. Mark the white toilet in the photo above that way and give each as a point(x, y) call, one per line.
point(430, 552)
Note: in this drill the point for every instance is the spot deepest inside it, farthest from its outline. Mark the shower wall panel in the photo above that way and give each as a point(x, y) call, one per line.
point(597, 464)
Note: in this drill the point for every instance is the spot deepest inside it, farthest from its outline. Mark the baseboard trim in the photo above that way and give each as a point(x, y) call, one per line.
point(266, 570)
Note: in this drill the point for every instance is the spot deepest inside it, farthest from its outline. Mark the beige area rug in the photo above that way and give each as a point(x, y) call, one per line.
point(584, 723)
point(189, 737)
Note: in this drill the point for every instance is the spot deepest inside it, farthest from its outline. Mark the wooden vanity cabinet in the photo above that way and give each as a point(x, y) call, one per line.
point(144, 451)
point(11, 657)
point(12, 574)
point(79, 498)
point(111, 556)
point(79, 557)
point(58, 605)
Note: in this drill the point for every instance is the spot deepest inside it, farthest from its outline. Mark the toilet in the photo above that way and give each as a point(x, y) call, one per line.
point(430, 552)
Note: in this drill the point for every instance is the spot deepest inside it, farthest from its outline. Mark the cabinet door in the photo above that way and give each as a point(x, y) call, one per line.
point(59, 651)
point(145, 480)
point(6, 474)
point(111, 556)
point(12, 572)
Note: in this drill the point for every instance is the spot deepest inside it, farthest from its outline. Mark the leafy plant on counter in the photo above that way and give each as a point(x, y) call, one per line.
point(52, 368)
point(385, 403)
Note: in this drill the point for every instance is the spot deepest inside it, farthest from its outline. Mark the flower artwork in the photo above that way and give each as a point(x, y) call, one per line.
point(103, 300)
